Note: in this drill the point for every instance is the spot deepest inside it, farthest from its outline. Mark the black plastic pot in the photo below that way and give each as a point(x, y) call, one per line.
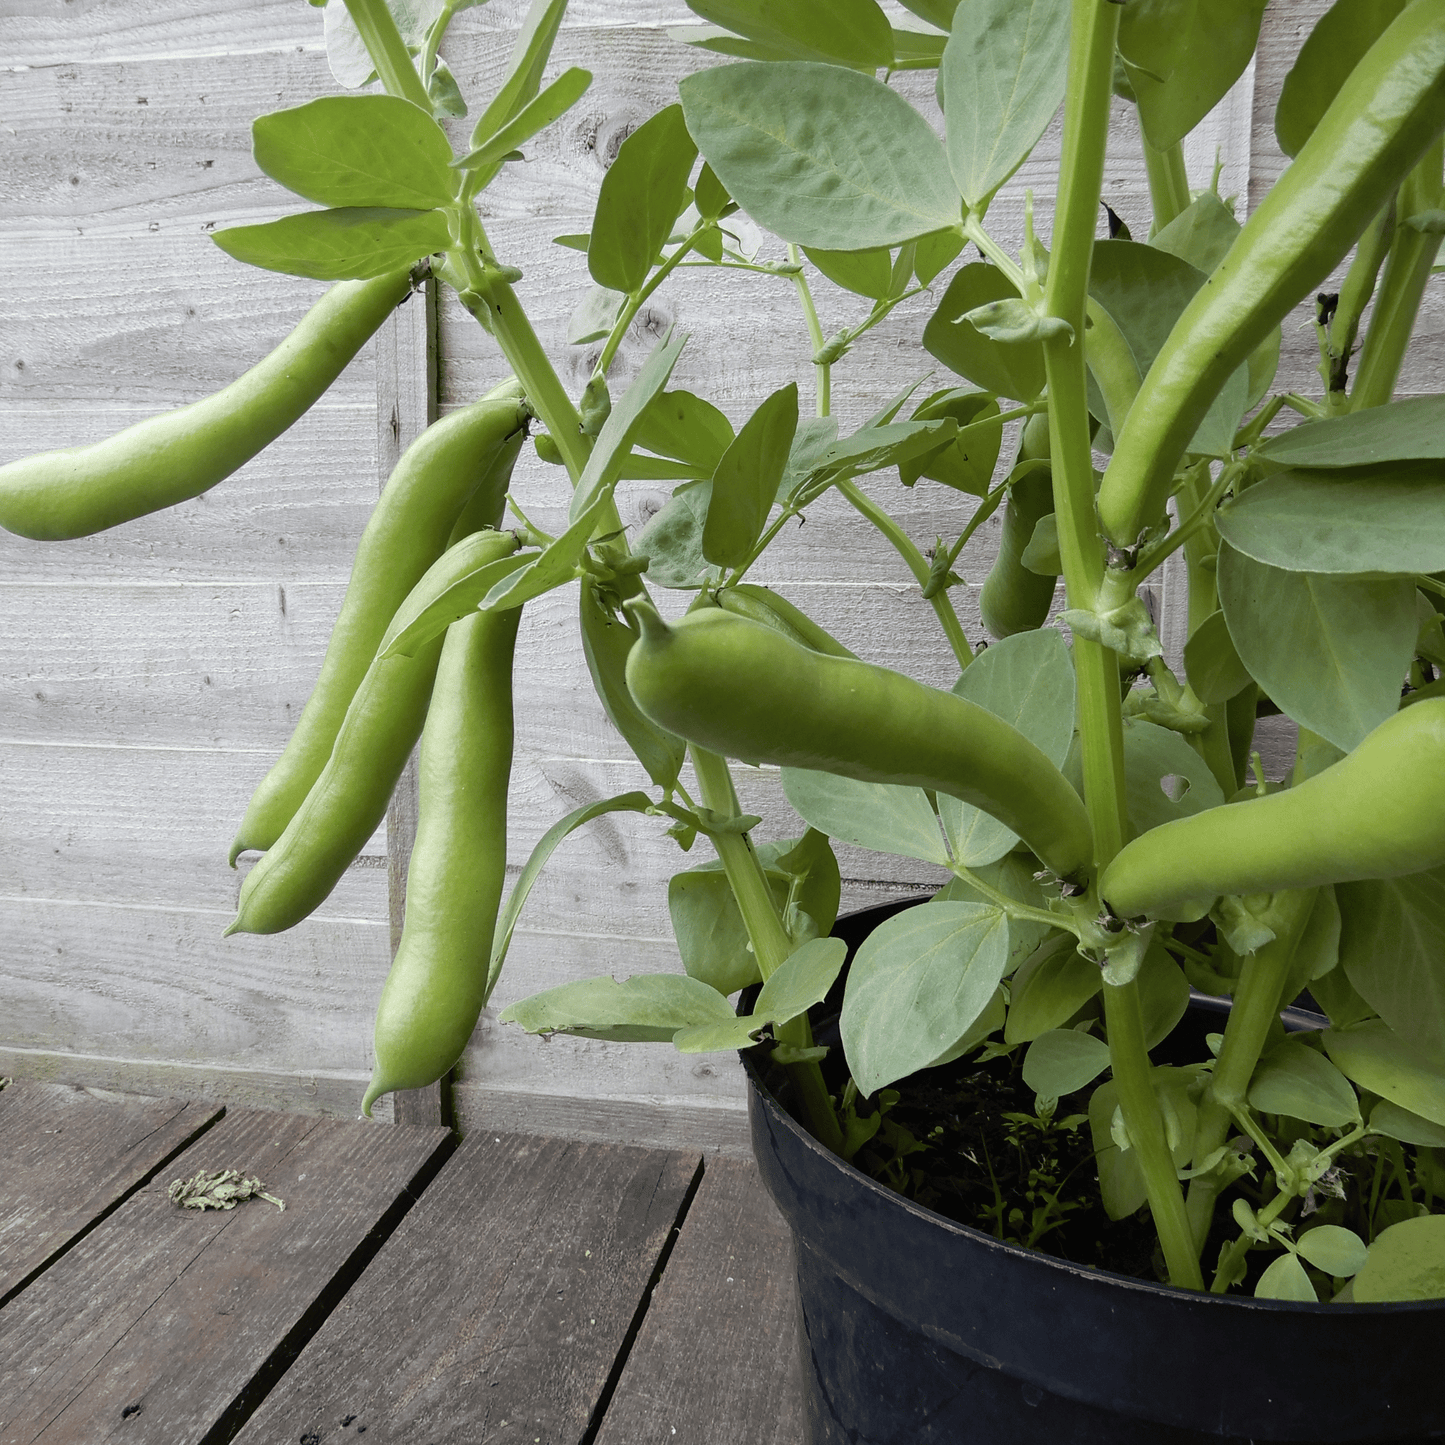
point(918, 1330)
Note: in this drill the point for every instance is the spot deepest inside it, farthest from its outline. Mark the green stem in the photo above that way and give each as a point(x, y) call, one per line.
point(388, 51)
point(1011, 906)
point(903, 544)
point(821, 371)
point(974, 230)
point(1257, 998)
point(1402, 287)
point(1081, 172)
point(638, 298)
point(1355, 293)
point(434, 39)
point(770, 941)
point(1168, 183)
point(1200, 513)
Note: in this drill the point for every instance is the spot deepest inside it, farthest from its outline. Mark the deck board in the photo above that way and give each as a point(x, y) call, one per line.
point(497, 1311)
point(716, 1361)
point(166, 1324)
point(69, 1157)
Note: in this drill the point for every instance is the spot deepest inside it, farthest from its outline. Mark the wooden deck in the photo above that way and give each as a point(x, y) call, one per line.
point(510, 1288)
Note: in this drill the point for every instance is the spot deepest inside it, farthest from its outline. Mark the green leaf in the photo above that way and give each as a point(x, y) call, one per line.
point(620, 429)
point(1042, 553)
point(1200, 234)
point(1121, 1183)
point(643, 192)
point(882, 816)
point(524, 68)
point(1318, 951)
point(966, 463)
point(1050, 988)
point(546, 846)
point(1285, 1278)
point(871, 448)
point(916, 985)
point(1330, 651)
point(1392, 947)
point(1409, 430)
point(672, 540)
point(1164, 778)
point(1299, 1081)
point(737, 1033)
point(1379, 1060)
point(747, 477)
point(1182, 56)
point(1000, 83)
point(680, 425)
point(555, 565)
point(1163, 993)
point(933, 252)
point(1014, 321)
point(1301, 521)
point(803, 980)
point(1336, 996)
point(646, 1008)
point(1339, 1252)
point(1406, 1261)
point(1215, 672)
point(606, 642)
point(1397, 1123)
point(1013, 369)
point(1341, 36)
point(351, 243)
point(819, 155)
point(811, 442)
point(357, 150)
point(1028, 681)
point(450, 589)
point(846, 32)
point(1063, 1061)
point(711, 935)
point(864, 273)
point(1013, 876)
point(1145, 291)
point(553, 103)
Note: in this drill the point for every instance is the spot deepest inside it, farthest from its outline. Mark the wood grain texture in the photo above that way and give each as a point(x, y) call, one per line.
point(206, 1304)
point(498, 1307)
point(717, 1359)
point(70, 1157)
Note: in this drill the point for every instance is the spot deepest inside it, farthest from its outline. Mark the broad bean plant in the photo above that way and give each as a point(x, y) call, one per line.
point(1110, 833)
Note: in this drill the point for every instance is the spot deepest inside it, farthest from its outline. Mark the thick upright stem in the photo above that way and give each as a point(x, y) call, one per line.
point(1402, 287)
point(1168, 183)
point(1257, 999)
point(1086, 116)
point(388, 51)
point(770, 941)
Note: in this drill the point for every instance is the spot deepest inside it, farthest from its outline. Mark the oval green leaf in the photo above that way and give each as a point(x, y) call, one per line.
point(358, 150)
point(881, 816)
point(1406, 1261)
point(1330, 651)
point(351, 243)
point(917, 984)
point(820, 155)
point(1379, 1060)
point(1299, 1081)
point(1063, 1060)
point(1005, 368)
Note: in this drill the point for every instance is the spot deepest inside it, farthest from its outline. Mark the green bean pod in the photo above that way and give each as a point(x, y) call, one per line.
point(744, 690)
point(1377, 813)
point(467, 455)
point(171, 458)
point(437, 986)
point(762, 604)
point(1376, 128)
point(1014, 599)
point(347, 802)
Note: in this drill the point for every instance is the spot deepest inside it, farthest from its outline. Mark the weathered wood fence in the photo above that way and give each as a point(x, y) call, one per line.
point(149, 675)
